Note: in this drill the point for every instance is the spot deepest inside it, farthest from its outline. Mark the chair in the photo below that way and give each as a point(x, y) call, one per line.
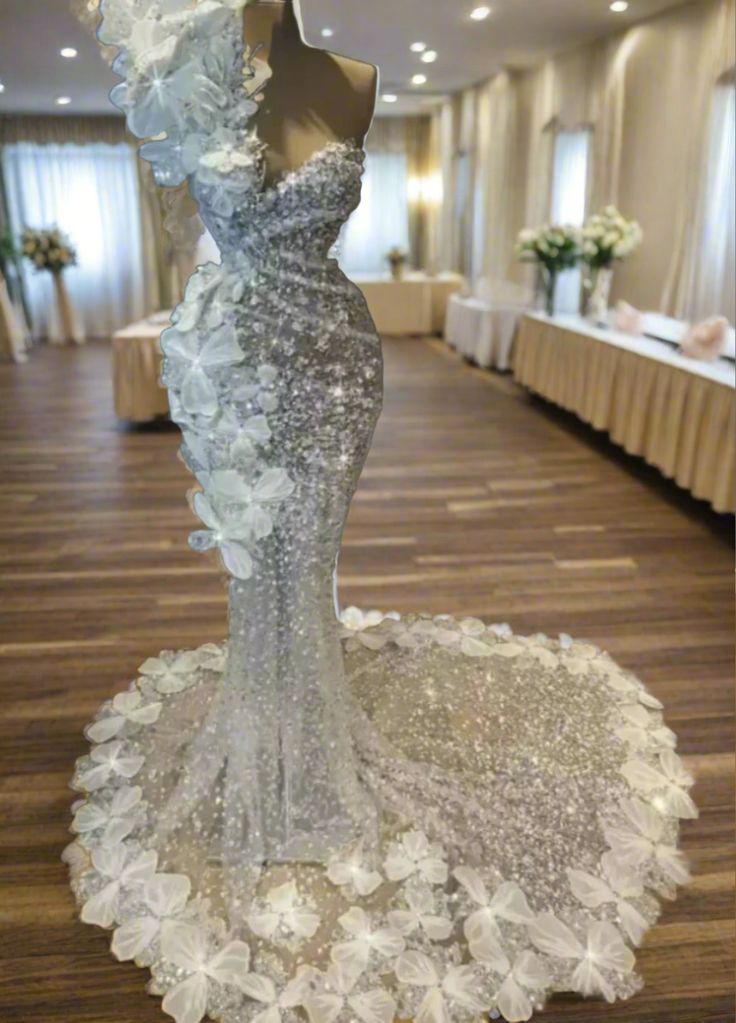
point(482, 326)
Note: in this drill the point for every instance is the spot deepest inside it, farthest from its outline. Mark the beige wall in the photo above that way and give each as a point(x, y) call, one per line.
point(646, 93)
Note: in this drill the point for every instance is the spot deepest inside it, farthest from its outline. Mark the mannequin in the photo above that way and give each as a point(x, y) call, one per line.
point(313, 97)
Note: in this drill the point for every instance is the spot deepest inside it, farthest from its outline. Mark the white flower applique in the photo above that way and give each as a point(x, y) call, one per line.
point(414, 855)
point(190, 363)
point(128, 709)
point(639, 841)
point(284, 913)
point(247, 515)
point(262, 989)
point(164, 896)
point(255, 500)
point(225, 153)
point(360, 628)
point(670, 782)
point(617, 885)
point(355, 954)
point(168, 677)
point(186, 946)
point(336, 994)
point(463, 636)
point(456, 984)
point(348, 870)
point(637, 730)
point(420, 914)
point(199, 288)
point(212, 657)
point(115, 818)
point(227, 532)
point(243, 435)
point(602, 953)
point(108, 762)
point(527, 974)
point(507, 903)
point(120, 868)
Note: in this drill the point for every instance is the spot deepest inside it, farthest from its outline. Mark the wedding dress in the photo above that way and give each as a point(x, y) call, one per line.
point(336, 818)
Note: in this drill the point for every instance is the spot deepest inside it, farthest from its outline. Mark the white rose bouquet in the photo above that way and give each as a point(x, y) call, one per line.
point(608, 236)
point(554, 247)
point(48, 249)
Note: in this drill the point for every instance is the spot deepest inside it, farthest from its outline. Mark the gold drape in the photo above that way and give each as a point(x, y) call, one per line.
point(412, 137)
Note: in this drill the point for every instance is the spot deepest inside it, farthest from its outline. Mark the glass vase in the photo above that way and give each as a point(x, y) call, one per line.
point(599, 295)
point(550, 277)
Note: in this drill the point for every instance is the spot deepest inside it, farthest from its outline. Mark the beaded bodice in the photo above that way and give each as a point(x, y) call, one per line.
point(299, 216)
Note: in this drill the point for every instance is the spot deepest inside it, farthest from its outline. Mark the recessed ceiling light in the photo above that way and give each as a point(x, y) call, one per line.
point(328, 33)
point(63, 101)
point(418, 47)
point(390, 97)
point(429, 57)
point(2, 87)
point(619, 6)
point(480, 13)
point(419, 80)
point(69, 52)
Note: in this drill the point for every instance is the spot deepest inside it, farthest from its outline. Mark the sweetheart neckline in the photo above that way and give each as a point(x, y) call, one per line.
point(280, 183)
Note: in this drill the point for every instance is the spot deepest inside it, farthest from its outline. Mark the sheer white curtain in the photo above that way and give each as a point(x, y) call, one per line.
point(715, 277)
point(569, 203)
point(91, 192)
point(382, 219)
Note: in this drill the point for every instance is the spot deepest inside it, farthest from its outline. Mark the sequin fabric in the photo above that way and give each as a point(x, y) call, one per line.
point(357, 816)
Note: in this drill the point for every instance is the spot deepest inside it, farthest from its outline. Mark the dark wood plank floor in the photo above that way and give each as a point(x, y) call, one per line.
point(476, 500)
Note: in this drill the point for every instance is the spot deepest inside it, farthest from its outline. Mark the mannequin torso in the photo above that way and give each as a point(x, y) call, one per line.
point(313, 97)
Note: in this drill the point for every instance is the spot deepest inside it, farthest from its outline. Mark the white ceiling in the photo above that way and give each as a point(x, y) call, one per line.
point(518, 33)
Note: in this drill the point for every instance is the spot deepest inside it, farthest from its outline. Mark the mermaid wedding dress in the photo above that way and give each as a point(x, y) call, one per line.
point(336, 818)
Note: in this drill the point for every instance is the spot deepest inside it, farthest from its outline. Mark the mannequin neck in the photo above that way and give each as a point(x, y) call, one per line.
point(270, 22)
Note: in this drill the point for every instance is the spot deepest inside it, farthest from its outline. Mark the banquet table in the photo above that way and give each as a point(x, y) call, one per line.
point(677, 413)
point(137, 359)
point(415, 304)
point(481, 331)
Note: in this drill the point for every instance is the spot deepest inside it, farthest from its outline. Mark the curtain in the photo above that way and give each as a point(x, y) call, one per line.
point(496, 212)
point(714, 284)
point(382, 219)
point(91, 192)
point(412, 139)
point(569, 204)
point(645, 94)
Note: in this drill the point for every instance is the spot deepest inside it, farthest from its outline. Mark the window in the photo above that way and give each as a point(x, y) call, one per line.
point(91, 193)
point(381, 222)
point(715, 275)
point(570, 202)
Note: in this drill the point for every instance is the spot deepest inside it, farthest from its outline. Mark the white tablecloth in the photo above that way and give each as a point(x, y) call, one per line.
point(137, 359)
point(482, 331)
point(676, 413)
point(416, 304)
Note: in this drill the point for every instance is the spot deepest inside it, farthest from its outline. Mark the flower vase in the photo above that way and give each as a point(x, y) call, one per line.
point(600, 295)
point(397, 269)
point(67, 326)
point(550, 276)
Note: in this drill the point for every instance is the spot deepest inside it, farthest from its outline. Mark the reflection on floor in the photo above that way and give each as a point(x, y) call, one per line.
point(476, 500)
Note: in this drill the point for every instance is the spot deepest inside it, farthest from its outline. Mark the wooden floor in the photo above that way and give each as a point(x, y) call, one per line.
point(476, 500)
